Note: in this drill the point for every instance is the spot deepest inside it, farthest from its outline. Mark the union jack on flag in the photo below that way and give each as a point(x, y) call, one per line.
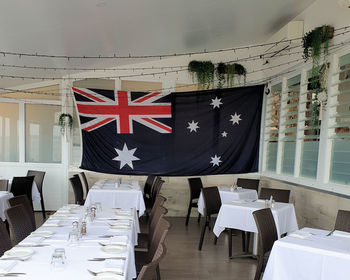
point(123, 110)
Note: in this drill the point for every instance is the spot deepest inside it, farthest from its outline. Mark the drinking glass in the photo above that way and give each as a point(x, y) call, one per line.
point(98, 206)
point(61, 251)
point(73, 238)
point(57, 261)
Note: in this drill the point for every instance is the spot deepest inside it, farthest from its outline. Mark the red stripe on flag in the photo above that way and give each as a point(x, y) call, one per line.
point(157, 124)
point(98, 124)
point(87, 95)
point(148, 96)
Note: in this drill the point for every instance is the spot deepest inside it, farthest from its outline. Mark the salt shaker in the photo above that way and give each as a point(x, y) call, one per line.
point(83, 228)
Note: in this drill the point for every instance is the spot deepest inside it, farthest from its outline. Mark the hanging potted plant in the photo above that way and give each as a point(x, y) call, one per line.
point(220, 74)
point(228, 72)
point(203, 71)
point(65, 120)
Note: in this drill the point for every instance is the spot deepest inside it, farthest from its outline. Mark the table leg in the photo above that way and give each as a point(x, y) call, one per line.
point(246, 253)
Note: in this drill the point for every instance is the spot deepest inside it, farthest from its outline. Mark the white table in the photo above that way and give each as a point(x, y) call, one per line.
point(35, 192)
point(38, 266)
point(4, 196)
point(318, 257)
point(227, 196)
point(128, 194)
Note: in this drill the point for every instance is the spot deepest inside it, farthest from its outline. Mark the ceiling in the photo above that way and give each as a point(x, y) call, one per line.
point(107, 27)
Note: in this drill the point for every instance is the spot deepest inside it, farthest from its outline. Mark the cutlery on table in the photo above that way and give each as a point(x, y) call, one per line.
point(108, 271)
point(125, 245)
point(103, 259)
point(329, 234)
point(106, 236)
point(37, 245)
point(13, 259)
point(12, 273)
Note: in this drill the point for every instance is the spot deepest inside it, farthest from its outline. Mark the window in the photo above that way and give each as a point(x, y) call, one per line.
point(43, 135)
point(272, 126)
point(309, 128)
point(290, 102)
point(340, 124)
point(9, 125)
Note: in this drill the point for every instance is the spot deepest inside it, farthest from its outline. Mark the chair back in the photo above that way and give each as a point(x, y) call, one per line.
point(19, 222)
point(212, 200)
point(342, 222)
point(85, 184)
point(158, 214)
point(195, 187)
point(4, 185)
point(267, 232)
point(158, 238)
point(38, 179)
point(77, 189)
point(149, 271)
point(158, 202)
point(23, 186)
point(5, 241)
point(252, 184)
point(23, 200)
point(277, 194)
point(147, 190)
point(156, 188)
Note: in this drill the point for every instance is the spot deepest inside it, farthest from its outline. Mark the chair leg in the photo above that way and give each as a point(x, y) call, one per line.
point(259, 268)
point(202, 234)
point(158, 272)
point(215, 239)
point(199, 218)
point(188, 213)
point(43, 209)
point(243, 241)
point(230, 232)
point(248, 240)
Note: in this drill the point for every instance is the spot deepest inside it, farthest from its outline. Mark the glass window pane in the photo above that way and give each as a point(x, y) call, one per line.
point(9, 126)
point(43, 135)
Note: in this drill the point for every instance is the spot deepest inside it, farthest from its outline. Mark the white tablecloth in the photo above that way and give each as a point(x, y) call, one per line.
point(128, 195)
point(38, 266)
point(35, 192)
point(318, 257)
point(4, 196)
point(238, 215)
point(227, 196)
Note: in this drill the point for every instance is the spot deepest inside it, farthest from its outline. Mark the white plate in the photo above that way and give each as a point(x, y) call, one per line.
point(114, 249)
point(108, 276)
point(123, 214)
point(120, 227)
point(19, 253)
point(43, 233)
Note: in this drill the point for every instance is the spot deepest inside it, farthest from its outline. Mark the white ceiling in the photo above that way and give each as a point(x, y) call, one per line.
point(90, 27)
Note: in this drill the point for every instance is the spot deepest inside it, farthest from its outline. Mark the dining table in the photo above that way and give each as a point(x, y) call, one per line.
point(310, 254)
point(117, 193)
point(105, 251)
point(228, 194)
point(238, 214)
point(4, 196)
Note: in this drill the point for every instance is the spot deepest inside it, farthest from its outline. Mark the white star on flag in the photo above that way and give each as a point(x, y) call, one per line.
point(224, 134)
point(126, 156)
point(215, 160)
point(216, 102)
point(193, 126)
point(235, 119)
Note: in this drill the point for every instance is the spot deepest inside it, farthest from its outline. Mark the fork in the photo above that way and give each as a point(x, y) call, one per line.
point(113, 272)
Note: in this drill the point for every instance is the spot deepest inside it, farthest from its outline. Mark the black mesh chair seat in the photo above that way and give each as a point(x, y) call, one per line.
point(39, 181)
point(23, 200)
point(19, 221)
point(5, 242)
point(196, 187)
point(23, 186)
point(150, 271)
point(277, 194)
point(212, 202)
point(342, 222)
point(77, 189)
point(267, 235)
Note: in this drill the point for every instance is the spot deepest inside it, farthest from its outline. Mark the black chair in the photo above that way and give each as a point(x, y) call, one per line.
point(39, 180)
point(19, 222)
point(23, 200)
point(77, 189)
point(23, 186)
point(195, 190)
point(212, 202)
point(147, 193)
point(267, 235)
point(5, 241)
point(150, 271)
point(277, 194)
point(4, 185)
point(252, 184)
point(85, 184)
point(342, 222)
point(156, 190)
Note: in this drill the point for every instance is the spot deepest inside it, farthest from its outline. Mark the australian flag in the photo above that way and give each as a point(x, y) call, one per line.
point(176, 134)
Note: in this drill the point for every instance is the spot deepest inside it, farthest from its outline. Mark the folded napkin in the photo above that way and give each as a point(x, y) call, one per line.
point(339, 233)
point(119, 227)
point(116, 240)
point(123, 212)
point(120, 222)
point(108, 265)
point(6, 266)
point(32, 240)
point(300, 234)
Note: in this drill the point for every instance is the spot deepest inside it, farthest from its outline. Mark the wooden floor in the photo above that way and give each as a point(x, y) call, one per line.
point(183, 261)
